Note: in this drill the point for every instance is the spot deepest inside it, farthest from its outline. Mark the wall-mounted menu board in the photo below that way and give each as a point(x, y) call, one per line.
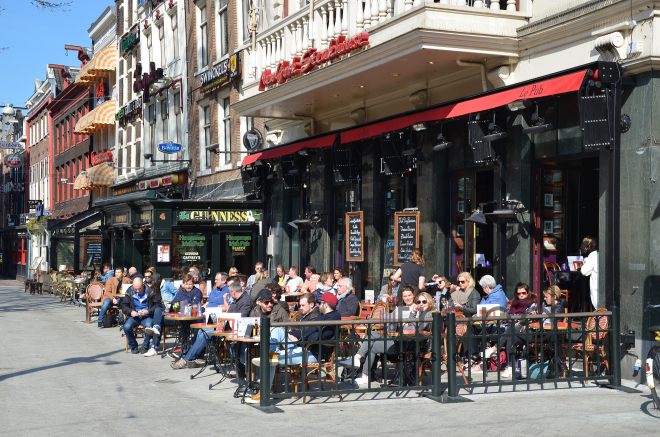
point(92, 251)
point(406, 235)
point(354, 236)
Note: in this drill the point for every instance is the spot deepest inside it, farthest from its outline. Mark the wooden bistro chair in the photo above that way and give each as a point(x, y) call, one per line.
point(94, 295)
point(593, 345)
point(325, 370)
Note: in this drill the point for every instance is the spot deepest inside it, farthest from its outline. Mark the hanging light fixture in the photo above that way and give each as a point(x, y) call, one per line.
point(442, 142)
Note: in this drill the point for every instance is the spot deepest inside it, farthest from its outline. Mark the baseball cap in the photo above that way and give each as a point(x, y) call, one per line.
point(265, 294)
point(329, 298)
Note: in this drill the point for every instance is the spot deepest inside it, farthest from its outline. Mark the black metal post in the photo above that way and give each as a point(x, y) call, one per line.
point(451, 355)
point(615, 345)
point(264, 367)
point(436, 371)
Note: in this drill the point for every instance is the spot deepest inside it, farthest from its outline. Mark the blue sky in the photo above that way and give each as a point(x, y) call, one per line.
point(36, 38)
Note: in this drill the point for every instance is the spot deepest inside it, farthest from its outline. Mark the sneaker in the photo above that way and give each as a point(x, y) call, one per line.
point(181, 364)
point(506, 373)
point(142, 350)
point(199, 362)
point(100, 324)
point(477, 368)
point(362, 380)
point(135, 350)
point(151, 353)
point(351, 362)
point(153, 331)
point(254, 399)
point(488, 353)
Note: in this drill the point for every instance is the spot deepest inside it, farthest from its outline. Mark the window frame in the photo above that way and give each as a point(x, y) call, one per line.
point(203, 40)
point(174, 24)
point(222, 29)
point(161, 40)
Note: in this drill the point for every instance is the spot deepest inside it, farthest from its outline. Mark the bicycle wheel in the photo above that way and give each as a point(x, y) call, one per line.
point(656, 377)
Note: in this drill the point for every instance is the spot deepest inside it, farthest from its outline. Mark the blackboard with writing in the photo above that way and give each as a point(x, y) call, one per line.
point(354, 236)
point(92, 253)
point(406, 235)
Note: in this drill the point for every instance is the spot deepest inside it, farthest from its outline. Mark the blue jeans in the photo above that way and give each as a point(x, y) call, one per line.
point(293, 353)
point(107, 304)
point(131, 324)
point(159, 322)
point(198, 349)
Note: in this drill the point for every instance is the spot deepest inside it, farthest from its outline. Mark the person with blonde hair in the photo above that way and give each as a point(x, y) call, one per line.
point(412, 273)
point(466, 298)
point(233, 271)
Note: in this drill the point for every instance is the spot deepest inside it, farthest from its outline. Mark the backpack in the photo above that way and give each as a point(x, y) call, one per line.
point(110, 320)
point(492, 362)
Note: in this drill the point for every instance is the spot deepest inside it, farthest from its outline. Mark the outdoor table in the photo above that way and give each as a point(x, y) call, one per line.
point(248, 383)
point(561, 326)
point(213, 343)
point(184, 337)
point(210, 344)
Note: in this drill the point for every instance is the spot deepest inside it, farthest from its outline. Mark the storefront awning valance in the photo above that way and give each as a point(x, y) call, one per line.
point(558, 85)
point(102, 117)
point(81, 181)
point(99, 67)
point(102, 175)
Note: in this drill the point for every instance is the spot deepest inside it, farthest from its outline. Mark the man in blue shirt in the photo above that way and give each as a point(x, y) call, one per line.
point(139, 306)
point(216, 297)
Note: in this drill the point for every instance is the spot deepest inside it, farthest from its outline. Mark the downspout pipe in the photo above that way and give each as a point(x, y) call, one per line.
point(477, 65)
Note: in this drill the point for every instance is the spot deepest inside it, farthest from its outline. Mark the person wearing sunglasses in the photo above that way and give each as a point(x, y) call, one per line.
point(466, 298)
point(389, 290)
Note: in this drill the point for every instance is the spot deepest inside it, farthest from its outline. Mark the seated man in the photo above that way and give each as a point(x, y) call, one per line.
point(133, 273)
point(138, 306)
point(253, 278)
point(108, 272)
point(294, 354)
point(276, 292)
point(194, 356)
point(112, 289)
point(168, 291)
point(217, 295)
point(292, 280)
point(348, 305)
point(311, 280)
point(308, 309)
point(187, 293)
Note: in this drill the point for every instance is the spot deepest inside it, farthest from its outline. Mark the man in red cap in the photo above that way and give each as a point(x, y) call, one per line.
point(293, 353)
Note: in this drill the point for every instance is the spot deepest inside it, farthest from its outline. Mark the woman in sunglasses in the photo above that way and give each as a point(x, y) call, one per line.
point(389, 290)
point(466, 298)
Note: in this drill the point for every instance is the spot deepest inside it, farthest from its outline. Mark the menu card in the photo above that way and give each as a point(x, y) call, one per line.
point(355, 236)
point(406, 235)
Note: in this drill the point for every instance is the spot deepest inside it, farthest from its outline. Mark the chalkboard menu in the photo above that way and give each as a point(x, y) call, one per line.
point(92, 252)
point(354, 236)
point(406, 235)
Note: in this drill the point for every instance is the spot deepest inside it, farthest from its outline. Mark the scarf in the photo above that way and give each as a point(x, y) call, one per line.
point(461, 296)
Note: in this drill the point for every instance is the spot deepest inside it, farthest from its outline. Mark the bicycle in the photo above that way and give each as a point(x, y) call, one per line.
point(653, 364)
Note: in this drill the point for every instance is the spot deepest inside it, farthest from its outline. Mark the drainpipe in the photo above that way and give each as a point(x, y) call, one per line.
point(478, 65)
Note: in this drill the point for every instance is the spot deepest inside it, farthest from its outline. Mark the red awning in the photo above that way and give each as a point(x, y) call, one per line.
point(558, 85)
point(550, 87)
point(316, 143)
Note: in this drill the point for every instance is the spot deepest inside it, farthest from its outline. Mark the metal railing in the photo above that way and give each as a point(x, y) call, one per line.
point(551, 350)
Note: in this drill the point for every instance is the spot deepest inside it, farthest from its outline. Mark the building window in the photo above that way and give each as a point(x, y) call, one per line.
point(226, 127)
point(203, 38)
point(206, 132)
point(223, 29)
point(246, 19)
point(151, 119)
point(161, 38)
point(177, 114)
point(175, 35)
point(163, 117)
point(150, 47)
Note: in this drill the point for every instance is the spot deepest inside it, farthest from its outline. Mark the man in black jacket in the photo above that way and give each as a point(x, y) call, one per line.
point(348, 304)
point(138, 306)
point(308, 309)
point(294, 353)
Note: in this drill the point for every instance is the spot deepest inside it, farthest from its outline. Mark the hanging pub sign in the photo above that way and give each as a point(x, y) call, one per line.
point(100, 94)
point(143, 81)
point(355, 236)
point(130, 112)
point(101, 156)
point(215, 77)
point(252, 139)
point(311, 58)
point(12, 145)
point(234, 65)
point(169, 147)
point(130, 41)
point(406, 235)
point(14, 160)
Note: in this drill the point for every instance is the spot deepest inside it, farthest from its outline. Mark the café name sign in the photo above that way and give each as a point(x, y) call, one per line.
point(101, 156)
point(143, 81)
point(311, 58)
point(220, 74)
point(131, 40)
point(221, 216)
point(130, 112)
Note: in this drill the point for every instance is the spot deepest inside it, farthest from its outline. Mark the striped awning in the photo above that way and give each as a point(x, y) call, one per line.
point(81, 181)
point(102, 117)
point(102, 175)
point(99, 67)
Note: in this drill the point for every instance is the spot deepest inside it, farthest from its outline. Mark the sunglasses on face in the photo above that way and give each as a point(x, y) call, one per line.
point(462, 282)
point(524, 293)
point(421, 302)
point(267, 302)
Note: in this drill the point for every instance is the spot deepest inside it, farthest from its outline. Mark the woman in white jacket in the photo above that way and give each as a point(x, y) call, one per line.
point(589, 249)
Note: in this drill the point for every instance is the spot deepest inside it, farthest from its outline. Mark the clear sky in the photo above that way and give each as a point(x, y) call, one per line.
point(35, 38)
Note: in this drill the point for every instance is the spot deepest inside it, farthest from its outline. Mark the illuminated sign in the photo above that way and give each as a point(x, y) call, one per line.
point(221, 216)
point(101, 156)
point(311, 58)
point(131, 40)
point(143, 81)
point(169, 147)
point(130, 112)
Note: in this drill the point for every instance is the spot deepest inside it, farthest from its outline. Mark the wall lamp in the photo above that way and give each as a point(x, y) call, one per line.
point(442, 142)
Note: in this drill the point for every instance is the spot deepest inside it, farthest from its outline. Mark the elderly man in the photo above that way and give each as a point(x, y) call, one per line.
point(292, 280)
point(257, 268)
point(348, 304)
point(134, 273)
point(217, 295)
point(311, 280)
point(308, 309)
point(112, 289)
point(242, 301)
point(494, 293)
point(138, 306)
point(294, 354)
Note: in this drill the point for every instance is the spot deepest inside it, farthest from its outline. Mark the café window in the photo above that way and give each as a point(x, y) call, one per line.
point(566, 139)
point(190, 249)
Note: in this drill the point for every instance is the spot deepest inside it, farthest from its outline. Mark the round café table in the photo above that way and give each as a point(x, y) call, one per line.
point(213, 345)
point(184, 338)
point(248, 382)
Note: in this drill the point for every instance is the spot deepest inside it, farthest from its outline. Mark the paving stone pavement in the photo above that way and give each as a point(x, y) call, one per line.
point(60, 376)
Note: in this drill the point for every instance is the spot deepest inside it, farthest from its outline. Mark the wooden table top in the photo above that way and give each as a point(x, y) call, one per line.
point(235, 337)
point(217, 333)
point(183, 318)
point(203, 325)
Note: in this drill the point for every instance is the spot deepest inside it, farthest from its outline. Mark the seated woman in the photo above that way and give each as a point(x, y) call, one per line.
point(444, 287)
point(389, 290)
point(523, 303)
point(466, 298)
point(418, 305)
point(326, 283)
